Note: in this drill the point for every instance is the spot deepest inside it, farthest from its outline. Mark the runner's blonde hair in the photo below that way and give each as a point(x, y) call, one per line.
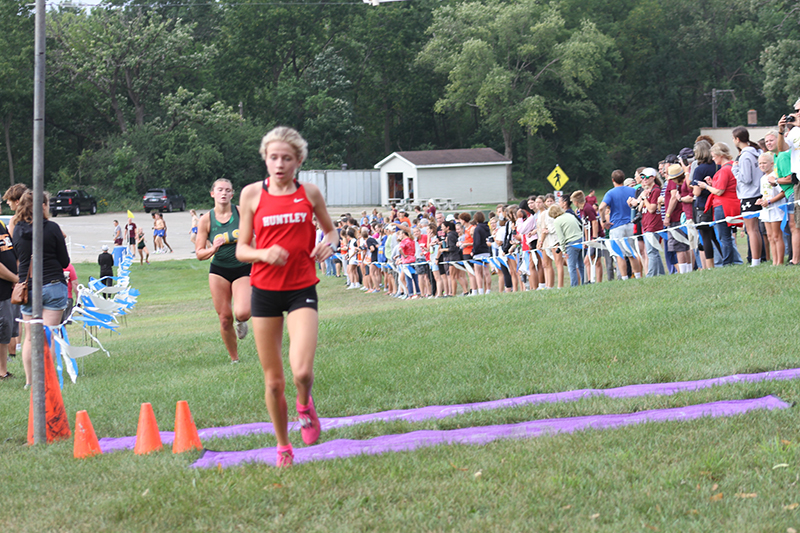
point(288, 135)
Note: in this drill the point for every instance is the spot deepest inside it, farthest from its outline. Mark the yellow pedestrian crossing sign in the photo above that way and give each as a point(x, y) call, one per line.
point(558, 178)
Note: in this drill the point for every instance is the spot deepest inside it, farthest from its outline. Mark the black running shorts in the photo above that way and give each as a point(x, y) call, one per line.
point(275, 303)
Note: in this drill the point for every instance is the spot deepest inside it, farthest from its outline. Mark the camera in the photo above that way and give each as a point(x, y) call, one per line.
point(789, 117)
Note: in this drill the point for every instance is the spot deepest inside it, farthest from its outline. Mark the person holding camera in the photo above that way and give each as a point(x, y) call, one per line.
point(789, 140)
point(772, 198)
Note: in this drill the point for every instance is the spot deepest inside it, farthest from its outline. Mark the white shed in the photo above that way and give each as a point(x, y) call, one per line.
point(467, 176)
point(726, 135)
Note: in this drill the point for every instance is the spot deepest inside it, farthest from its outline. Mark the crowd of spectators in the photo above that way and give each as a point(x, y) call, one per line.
point(683, 214)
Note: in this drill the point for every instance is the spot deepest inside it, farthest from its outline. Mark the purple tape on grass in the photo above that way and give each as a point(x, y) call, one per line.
point(444, 411)
point(337, 449)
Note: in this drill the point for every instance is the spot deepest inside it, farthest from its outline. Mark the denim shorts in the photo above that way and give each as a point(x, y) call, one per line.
point(54, 298)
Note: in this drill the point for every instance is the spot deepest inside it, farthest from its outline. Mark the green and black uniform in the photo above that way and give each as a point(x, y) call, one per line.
point(224, 262)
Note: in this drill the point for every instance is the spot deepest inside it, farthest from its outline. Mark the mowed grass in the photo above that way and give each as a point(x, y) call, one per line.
point(376, 353)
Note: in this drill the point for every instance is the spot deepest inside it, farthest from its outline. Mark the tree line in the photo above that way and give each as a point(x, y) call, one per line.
point(158, 94)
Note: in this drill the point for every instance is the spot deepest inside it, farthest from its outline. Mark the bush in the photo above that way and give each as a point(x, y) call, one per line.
point(187, 159)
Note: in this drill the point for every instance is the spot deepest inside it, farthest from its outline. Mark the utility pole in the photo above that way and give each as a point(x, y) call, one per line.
point(35, 295)
point(714, 93)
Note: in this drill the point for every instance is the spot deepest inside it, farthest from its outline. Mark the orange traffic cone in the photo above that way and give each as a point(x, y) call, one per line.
point(147, 437)
point(55, 415)
point(86, 443)
point(186, 437)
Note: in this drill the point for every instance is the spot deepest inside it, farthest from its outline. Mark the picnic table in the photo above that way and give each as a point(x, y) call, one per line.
point(409, 203)
point(443, 203)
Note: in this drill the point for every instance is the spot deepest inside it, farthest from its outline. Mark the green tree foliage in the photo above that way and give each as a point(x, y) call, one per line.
point(130, 63)
point(393, 96)
point(782, 81)
point(506, 59)
point(266, 50)
point(672, 54)
point(126, 58)
point(199, 141)
point(150, 94)
point(16, 79)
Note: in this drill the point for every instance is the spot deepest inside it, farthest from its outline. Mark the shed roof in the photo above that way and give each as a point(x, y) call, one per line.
point(436, 158)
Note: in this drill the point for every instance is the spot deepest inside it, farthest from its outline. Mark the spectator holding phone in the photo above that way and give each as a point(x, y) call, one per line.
point(782, 156)
point(723, 200)
point(772, 198)
point(791, 142)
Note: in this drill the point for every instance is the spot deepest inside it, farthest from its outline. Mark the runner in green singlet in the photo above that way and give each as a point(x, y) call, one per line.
point(228, 278)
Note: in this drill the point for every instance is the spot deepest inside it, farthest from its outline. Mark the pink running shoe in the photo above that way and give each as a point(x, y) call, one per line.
point(285, 456)
point(309, 422)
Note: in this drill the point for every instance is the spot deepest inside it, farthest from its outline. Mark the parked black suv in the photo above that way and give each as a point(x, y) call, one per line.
point(73, 202)
point(163, 200)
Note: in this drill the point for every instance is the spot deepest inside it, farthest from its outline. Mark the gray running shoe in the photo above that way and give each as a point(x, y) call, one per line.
point(241, 330)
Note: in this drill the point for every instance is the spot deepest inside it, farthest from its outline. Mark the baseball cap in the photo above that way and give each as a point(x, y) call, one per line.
point(649, 172)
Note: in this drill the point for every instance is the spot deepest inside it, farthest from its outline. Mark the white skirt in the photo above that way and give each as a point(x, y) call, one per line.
point(775, 213)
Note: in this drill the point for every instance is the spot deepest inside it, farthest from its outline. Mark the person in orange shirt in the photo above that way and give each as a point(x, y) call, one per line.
point(402, 216)
point(466, 249)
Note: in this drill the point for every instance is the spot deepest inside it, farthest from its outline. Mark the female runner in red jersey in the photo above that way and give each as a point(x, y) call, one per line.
point(279, 213)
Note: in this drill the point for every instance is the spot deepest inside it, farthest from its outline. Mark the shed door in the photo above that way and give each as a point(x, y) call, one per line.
point(395, 185)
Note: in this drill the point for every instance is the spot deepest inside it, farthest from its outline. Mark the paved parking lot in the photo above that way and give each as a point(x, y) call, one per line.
point(87, 233)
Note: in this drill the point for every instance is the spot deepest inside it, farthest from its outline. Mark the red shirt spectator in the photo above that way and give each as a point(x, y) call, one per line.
point(685, 190)
point(725, 181)
point(407, 248)
point(675, 215)
point(588, 214)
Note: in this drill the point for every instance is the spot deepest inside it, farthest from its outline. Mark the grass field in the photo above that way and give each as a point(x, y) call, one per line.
point(377, 353)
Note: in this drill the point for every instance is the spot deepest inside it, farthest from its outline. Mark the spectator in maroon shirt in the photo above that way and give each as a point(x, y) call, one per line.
point(591, 230)
point(651, 221)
